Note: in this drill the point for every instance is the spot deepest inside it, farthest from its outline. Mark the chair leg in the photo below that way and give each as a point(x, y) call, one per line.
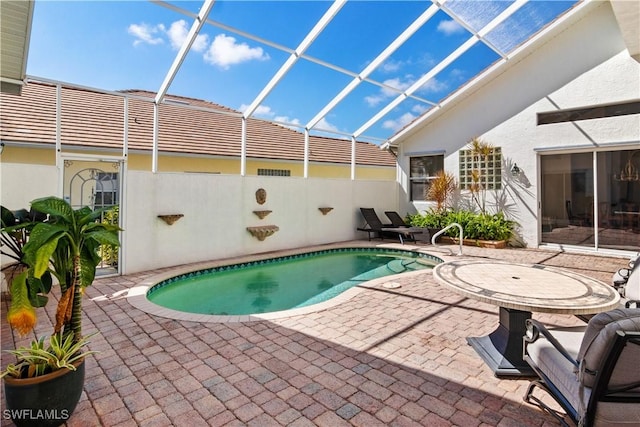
point(533, 400)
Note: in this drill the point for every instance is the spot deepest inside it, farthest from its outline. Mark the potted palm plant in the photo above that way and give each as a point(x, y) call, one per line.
point(45, 384)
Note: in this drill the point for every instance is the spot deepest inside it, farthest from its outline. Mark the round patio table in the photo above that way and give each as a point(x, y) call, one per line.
point(519, 289)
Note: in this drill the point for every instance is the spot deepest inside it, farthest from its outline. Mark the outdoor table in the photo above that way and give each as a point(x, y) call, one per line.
point(519, 289)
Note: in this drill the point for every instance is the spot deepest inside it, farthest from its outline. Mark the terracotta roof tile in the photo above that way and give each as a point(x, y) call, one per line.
point(95, 119)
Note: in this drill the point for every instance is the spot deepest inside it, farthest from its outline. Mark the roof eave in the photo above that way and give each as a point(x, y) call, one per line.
point(12, 79)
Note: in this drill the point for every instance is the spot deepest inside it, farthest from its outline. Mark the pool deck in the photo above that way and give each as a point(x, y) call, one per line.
point(380, 357)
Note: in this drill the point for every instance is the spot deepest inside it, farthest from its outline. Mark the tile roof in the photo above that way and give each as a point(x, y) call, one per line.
point(96, 119)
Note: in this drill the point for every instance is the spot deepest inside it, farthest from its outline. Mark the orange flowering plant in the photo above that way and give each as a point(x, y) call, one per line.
point(26, 291)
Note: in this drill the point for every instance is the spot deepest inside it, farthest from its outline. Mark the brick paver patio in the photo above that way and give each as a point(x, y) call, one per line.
point(387, 357)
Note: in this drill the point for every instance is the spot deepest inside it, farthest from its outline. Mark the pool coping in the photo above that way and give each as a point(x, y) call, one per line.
point(137, 295)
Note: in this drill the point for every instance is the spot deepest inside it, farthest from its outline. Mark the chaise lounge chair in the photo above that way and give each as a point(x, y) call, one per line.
point(591, 372)
point(374, 225)
point(398, 221)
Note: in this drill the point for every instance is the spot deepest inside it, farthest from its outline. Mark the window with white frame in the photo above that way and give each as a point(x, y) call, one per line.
point(422, 170)
point(483, 170)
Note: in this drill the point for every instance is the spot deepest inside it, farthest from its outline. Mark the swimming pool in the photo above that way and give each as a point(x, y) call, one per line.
point(282, 283)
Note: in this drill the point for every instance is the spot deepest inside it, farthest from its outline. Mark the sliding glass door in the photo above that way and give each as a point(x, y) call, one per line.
point(579, 210)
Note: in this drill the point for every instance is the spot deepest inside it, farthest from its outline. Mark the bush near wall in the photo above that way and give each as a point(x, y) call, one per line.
point(109, 253)
point(481, 226)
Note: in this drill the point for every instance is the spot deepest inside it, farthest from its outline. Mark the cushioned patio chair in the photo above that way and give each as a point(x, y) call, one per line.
point(375, 226)
point(592, 372)
point(627, 282)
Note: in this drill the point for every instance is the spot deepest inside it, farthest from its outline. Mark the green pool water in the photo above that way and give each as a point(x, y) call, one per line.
point(282, 283)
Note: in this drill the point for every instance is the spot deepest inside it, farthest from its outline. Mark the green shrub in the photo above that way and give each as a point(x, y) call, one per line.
point(490, 227)
point(431, 219)
point(475, 225)
point(108, 253)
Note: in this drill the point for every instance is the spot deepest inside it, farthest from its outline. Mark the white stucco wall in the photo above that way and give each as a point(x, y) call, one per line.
point(582, 64)
point(217, 210)
point(21, 183)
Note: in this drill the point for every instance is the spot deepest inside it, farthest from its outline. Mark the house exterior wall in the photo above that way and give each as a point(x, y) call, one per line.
point(217, 208)
point(582, 64)
point(184, 163)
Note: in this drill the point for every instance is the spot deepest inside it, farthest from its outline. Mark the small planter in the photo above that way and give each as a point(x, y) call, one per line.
point(44, 401)
point(495, 244)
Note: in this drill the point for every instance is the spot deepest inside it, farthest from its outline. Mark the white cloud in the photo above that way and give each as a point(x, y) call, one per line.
point(450, 27)
point(399, 123)
point(225, 51)
point(178, 33)
point(419, 108)
point(391, 66)
point(287, 119)
point(373, 100)
point(261, 111)
point(386, 93)
point(265, 112)
point(323, 124)
point(434, 85)
point(396, 83)
point(145, 33)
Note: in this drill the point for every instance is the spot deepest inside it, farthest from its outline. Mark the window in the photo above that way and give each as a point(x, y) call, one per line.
point(422, 170)
point(479, 169)
point(274, 172)
point(106, 191)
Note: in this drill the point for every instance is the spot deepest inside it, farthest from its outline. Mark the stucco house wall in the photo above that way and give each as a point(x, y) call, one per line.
point(579, 64)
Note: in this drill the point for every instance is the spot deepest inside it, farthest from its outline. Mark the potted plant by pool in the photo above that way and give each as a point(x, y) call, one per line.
point(43, 386)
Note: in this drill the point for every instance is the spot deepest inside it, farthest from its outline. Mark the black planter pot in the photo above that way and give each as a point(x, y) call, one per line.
point(44, 401)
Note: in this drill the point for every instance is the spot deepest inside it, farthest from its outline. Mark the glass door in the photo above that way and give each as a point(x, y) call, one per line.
point(619, 200)
point(96, 184)
point(571, 212)
point(567, 199)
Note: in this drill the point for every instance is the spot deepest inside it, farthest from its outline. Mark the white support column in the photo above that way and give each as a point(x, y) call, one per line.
point(595, 211)
point(353, 158)
point(243, 148)
point(125, 135)
point(59, 161)
point(154, 154)
point(306, 153)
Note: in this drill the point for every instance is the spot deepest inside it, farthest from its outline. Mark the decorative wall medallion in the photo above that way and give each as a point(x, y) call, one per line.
point(261, 196)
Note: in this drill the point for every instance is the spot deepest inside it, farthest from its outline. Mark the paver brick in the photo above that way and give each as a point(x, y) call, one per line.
point(379, 358)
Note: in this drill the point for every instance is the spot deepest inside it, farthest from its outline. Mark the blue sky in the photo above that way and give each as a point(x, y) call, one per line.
point(131, 45)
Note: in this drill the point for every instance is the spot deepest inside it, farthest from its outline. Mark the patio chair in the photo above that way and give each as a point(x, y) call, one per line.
point(374, 225)
point(592, 372)
point(627, 282)
point(396, 219)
